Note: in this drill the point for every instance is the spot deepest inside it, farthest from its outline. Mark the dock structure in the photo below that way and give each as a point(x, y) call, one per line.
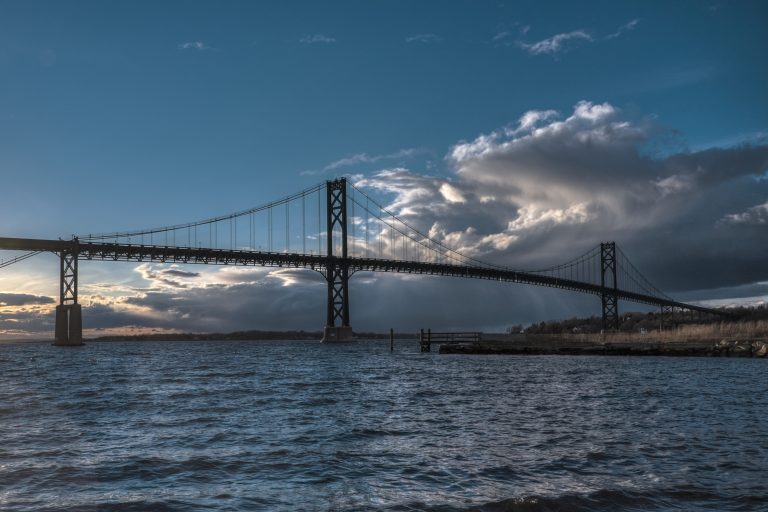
point(426, 339)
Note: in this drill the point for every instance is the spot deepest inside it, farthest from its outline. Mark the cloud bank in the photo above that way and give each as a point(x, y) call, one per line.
point(550, 186)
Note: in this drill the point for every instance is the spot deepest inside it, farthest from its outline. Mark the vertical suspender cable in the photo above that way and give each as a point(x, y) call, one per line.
point(352, 203)
point(367, 219)
point(319, 218)
point(287, 228)
point(303, 225)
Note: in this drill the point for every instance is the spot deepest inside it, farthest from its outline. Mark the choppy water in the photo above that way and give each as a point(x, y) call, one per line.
point(303, 426)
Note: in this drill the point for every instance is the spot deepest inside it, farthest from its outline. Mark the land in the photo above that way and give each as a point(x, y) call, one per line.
point(242, 335)
point(745, 334)
point(731, 339)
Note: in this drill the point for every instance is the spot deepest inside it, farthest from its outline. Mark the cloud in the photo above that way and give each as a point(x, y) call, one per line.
point(317, 39)
point(172, 277)
point(756, 215)
point(549, 186)
point(365, 158)
point(180, 273)
point(194, 45)
point(423, 38)
point(24, 299)
point(561, 42)
point(624, 28)
point(503, 36)
point(556, 43)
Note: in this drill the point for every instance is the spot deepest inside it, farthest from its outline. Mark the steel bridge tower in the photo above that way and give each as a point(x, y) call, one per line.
point(609, 284)
point(337, 326)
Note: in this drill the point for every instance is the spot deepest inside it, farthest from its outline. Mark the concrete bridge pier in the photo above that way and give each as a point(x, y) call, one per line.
point(333, 333)
point(69, 325)
point(69, 314)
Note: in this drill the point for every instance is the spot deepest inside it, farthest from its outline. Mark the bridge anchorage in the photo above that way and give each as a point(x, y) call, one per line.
point(360, 235)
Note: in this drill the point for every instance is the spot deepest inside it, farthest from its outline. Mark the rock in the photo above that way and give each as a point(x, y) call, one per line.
point(741, 349)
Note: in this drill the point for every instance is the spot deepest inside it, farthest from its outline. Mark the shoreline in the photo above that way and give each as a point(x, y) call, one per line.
point(749, 348)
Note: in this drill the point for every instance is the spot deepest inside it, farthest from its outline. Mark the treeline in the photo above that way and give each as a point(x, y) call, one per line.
point(237, 335)
point(639, 322)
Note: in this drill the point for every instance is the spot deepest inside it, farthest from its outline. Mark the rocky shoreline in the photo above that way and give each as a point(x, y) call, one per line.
point(722, 348)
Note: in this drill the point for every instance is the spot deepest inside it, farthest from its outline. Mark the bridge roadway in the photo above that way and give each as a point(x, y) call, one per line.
point(105, 251)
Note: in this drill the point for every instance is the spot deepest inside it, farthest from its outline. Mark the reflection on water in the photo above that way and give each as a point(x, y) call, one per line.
point(299, 425)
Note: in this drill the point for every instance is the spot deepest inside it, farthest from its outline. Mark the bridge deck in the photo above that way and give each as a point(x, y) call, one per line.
point(107, 251)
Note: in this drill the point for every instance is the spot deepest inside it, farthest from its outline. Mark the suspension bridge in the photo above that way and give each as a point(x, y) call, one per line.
point(336, 229)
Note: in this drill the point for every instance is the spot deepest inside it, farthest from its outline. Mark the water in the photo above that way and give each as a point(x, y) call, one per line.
point(303, 426)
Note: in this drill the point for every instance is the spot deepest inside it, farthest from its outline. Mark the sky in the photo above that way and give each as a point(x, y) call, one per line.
point(523, 133)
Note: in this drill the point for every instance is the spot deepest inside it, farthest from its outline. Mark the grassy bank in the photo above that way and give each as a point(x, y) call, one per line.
point(707, 333)
point(737, 339)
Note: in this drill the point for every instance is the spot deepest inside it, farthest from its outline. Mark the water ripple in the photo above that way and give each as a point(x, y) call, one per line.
point(298, 425)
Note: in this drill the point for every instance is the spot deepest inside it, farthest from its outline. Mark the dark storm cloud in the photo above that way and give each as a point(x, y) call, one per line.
point(172, 277)
point(179, 273)
point(23, 299)
point(264, 304)
point(27, 321)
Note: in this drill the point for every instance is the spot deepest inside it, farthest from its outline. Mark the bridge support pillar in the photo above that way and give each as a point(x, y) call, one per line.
point(69, 316)
point(337, 333)
point(337, 326)
point(609, 297)
point(69, 325)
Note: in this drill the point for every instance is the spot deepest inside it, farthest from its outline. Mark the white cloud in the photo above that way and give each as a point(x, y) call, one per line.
point(194, 45)
point(556, 43)
point(561, 42)
point(365, 158)
point(756, 215)
point(531, 118)
point(504, 37)
point(317, 39)
point(531, 216)
point(674, 184)
point(423, 38)
point(451, 193)
point(624, 28)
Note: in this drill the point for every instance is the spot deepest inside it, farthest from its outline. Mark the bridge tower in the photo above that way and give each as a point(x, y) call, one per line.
point(69, 316)
point(608, 281)
point(337, 326)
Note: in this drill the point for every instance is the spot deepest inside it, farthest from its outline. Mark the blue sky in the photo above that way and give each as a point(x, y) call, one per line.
point(119, 115)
